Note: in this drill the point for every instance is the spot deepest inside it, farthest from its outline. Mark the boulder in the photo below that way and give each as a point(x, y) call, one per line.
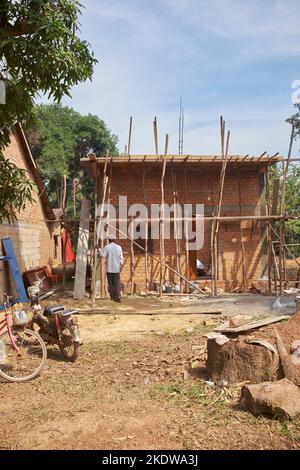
point(280, 399)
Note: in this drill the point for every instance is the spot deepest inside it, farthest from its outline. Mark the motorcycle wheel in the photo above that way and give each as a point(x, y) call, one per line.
point(68, 347)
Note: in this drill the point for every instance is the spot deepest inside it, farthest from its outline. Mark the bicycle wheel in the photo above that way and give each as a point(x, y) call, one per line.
point(28, 362)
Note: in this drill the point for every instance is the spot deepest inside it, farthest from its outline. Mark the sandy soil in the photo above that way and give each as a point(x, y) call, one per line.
point(133, 387)
point(138, 316)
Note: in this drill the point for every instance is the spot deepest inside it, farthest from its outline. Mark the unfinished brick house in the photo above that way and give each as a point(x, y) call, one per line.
point(35, 234)
point(242, 255)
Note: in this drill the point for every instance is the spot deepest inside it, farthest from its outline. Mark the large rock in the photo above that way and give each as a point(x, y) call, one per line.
point(280, 399)
point(237, 361)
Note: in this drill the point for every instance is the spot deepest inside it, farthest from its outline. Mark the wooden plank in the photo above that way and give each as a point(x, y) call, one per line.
point(250, 326)
point(82, 249)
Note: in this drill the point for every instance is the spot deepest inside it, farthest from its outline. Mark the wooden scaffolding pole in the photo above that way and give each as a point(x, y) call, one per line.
point(162, 221)
point(241, 238)
point(146, 234)
point(282, 212)
point(186, 241)
point(65, 219)
point(104, 188)
point(269, 235)
point(219, 207)
point(155, 136)
point(177, 241)
point(132, 260)
point(166, 266)
point(95, 248)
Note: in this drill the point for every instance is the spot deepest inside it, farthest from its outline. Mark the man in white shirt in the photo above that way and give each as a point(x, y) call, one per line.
point(114, 261)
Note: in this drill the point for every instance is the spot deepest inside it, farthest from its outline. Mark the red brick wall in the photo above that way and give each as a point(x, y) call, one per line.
point(200, 185)
point(31, 235)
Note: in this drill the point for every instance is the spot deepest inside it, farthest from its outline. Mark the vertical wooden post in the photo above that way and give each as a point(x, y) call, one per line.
point(282, 213)
point(161, 217)
point(65, 217)
point(95, 247)
point(146, 234)
point(155, 135)
point(217, 224)
point(241, 237)
point(269, 237)
point(104, 188)
point(132, 261)
point(177, 241)
point(82, 250)
point(186, 241)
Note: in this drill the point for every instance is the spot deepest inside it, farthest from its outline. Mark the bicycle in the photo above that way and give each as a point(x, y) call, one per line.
point(23, 352)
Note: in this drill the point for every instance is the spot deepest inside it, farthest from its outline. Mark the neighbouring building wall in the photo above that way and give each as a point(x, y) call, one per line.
point(243, 195)
point(32, 236)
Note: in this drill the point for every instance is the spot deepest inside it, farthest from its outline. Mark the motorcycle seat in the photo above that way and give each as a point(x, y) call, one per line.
point(67, 312)
point(53, 310)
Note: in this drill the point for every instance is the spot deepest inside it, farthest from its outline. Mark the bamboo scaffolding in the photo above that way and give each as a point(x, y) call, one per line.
point(161, 221)
point(104, 188)
point(269, 237)
point(65, 219)
point(177, 242)
point(187, 257)
point(132, 260)
point(287, 249)
point(219, 207)
point(155, 136)
point(226, 218)
point(166, 266)
point(241, 240)
point(282, 212)
point(146, 235)
point(95, 250)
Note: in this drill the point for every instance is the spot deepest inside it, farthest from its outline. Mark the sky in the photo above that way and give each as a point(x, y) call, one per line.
point(236, 58)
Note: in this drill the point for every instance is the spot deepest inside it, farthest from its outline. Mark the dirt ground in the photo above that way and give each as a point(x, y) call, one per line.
point(133, 387)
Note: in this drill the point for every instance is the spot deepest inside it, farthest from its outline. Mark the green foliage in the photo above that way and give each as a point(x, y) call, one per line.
point(59, 139)
point(15, 189)
point(295, 119)
point(40, 52)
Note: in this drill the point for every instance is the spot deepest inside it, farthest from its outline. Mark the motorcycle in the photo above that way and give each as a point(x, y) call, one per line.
point(56, 324)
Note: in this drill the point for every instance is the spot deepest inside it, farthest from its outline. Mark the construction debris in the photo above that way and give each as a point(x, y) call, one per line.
point(225, 327)
point(238, 320)
point(280, 399)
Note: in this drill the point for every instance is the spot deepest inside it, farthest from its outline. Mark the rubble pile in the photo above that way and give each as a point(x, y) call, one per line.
point(264, 353)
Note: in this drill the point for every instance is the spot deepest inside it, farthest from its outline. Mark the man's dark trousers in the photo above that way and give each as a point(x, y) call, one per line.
point(113, 280)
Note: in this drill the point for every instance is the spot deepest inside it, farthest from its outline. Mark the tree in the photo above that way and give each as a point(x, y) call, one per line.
point(293, 191)
point(16, 191)
point(59, 139)
point(292, 227)
point(40, 52)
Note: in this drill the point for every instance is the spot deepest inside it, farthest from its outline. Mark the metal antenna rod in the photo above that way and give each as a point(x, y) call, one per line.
point(181, 124)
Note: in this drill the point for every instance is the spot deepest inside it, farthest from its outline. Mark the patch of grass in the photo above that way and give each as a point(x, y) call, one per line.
point(289, 429)
point(167, 389)
point(196, 392)
point(198, 328)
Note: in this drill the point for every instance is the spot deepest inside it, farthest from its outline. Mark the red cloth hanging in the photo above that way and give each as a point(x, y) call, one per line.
point(70, 257)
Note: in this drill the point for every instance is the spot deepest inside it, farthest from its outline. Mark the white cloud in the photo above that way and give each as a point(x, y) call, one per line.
point(271, 24)
point(151, 53)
